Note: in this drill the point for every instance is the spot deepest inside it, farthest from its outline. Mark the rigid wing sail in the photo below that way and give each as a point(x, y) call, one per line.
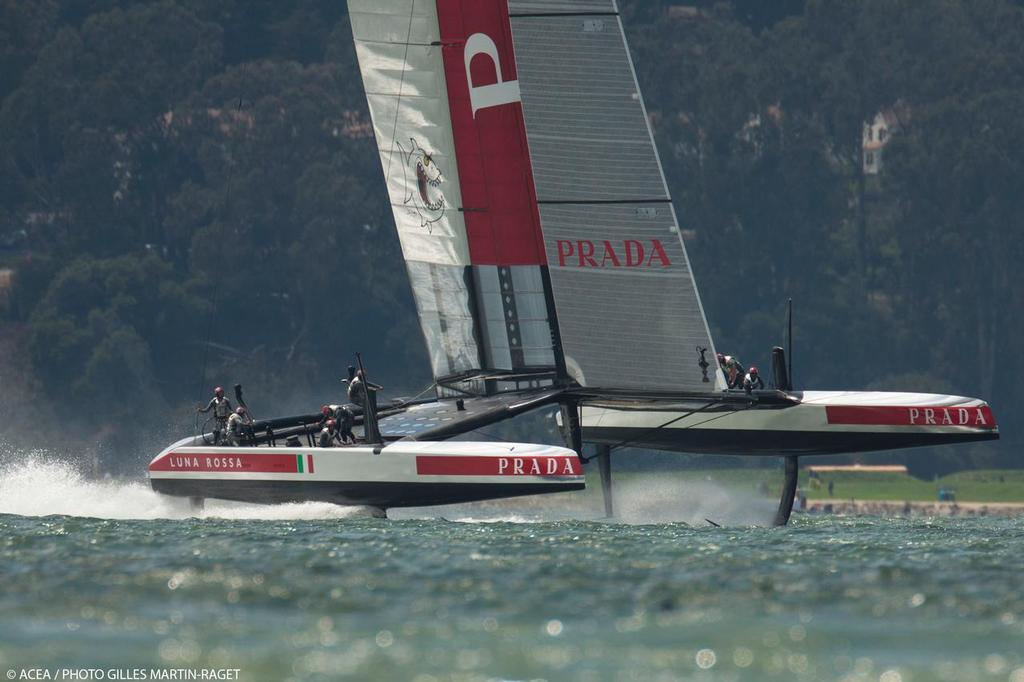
point(544, 252)
point(534, 218)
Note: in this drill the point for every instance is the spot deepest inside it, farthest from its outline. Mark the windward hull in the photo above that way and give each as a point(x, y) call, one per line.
point(821, 423)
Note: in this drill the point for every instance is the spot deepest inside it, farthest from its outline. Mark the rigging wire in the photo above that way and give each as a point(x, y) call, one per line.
point(401, 84)
point(209, 337)
point(629, 441)
point(489, 436)
point(429, 388)
point(216, 289)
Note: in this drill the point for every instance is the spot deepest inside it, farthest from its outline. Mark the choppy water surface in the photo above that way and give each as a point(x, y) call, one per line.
point(316, 592)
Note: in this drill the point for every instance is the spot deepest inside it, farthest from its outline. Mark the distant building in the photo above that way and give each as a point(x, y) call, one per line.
point(353, 124)
point(683, 12)
point(751, 130)
point(6, 282)
point(878, 133)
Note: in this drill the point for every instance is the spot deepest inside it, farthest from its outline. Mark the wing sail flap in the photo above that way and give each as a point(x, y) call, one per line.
point(629, 313)
point(585, 121)
point(627, 309)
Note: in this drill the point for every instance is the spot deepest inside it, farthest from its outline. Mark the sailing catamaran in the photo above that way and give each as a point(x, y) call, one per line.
point(545, 256)
point(547, 264)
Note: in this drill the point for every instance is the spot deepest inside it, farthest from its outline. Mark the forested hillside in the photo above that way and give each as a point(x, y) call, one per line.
point(190, 195)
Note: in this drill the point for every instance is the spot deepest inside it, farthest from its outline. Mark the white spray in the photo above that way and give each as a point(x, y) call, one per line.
point(37, 484)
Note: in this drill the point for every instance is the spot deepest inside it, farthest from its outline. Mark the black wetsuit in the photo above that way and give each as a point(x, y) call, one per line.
point(345, 419)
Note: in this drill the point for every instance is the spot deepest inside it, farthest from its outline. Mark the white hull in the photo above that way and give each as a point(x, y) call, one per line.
point(402, 474)
point(822, 422)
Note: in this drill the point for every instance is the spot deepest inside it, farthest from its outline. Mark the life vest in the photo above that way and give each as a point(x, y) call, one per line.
point(221, 407)
point(356, 391)
point(235, 424)
point(326, 437)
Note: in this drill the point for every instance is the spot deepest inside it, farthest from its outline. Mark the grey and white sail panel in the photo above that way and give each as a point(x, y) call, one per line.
point(587, 130)
point(398, 46)
point(628, 310)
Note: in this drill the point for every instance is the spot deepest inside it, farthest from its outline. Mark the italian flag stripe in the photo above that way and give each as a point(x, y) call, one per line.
point(309, 461)
point(298, 462)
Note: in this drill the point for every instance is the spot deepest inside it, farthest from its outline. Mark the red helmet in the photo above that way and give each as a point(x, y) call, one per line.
point(331, 423)
point(219, 392)
point(325, 410)
point(753, 370)
point(239, 410)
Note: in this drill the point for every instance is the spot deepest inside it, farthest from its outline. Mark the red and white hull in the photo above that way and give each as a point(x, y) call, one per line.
point(402, 474)
point(818, 423)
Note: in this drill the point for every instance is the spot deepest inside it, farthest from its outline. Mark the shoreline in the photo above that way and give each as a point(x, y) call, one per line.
point(908, 508)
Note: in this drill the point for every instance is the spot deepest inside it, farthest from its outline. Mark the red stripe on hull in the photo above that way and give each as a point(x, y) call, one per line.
point(975, 417)
point(222, 462)
point(498, 466)
point(496, 178)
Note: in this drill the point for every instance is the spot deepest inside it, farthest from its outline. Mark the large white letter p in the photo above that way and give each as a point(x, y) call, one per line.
point(502, 92)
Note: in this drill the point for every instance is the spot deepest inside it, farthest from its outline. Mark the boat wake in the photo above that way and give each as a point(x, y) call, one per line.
point(639, 500)
point(42, 485)
point(653, 499)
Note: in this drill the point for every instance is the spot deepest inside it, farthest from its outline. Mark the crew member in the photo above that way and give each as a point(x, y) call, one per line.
point(752, 381)
point(345, 419)
point(329, 434)
point(733, 370)
point(237, 426)
point(351, 377)
point(357, 389)
point(221, 407)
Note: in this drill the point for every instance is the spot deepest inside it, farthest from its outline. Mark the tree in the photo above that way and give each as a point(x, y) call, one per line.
point(98, 331)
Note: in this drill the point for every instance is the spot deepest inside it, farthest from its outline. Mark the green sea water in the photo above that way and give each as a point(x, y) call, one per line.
point(118, 578)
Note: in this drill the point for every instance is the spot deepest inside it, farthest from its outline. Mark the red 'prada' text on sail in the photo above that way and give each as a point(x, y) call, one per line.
point(604, 253)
